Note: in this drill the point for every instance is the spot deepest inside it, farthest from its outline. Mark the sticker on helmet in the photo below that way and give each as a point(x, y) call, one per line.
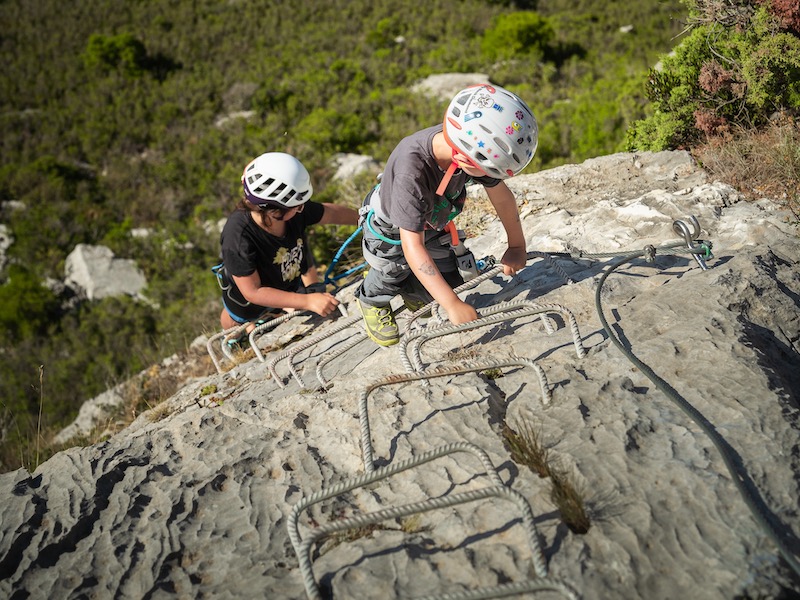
point(473, 115)
point(483, 100)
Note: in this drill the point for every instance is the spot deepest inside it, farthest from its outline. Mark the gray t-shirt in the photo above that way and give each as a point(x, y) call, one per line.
point(409, 182)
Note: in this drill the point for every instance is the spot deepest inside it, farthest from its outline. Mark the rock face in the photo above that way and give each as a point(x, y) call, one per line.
point(197, 497)
point(95, 272)
point(446, 85)
point(6, 239)
point(349, 165)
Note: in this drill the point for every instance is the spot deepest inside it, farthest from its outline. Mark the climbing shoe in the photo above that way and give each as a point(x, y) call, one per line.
point(380, 324)
point(413, 305)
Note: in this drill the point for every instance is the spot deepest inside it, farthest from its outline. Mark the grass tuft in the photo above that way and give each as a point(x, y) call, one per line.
point(527, 449)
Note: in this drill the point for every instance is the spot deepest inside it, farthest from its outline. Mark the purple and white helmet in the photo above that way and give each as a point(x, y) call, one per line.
point(276, 179)
point(494, 128)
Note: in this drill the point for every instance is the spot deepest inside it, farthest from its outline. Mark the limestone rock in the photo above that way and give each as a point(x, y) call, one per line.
point(95, 271)
point(196, 498)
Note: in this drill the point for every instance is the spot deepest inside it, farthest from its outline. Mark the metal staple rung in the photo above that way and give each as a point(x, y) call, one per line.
point(307, 344)
point(488, 316)
point(271, 324)
point(357, 338)
point(497, 489)
point(435, 308)
point(363, 410)
point(217, 336)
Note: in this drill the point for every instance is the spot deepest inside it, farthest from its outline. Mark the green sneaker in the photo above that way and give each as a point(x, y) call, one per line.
point(413, 306)
point(380, 324)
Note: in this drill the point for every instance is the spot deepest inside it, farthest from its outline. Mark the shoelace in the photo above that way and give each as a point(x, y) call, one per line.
point(384, 317)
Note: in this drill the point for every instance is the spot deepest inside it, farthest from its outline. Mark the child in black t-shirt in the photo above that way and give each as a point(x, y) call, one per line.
point(266, 262)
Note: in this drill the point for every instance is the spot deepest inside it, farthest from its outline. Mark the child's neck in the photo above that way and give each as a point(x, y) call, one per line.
point(273, 227)
point(442, 151)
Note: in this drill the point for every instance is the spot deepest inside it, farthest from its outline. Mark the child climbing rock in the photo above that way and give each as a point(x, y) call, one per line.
point(489, 134)
point(266, 261)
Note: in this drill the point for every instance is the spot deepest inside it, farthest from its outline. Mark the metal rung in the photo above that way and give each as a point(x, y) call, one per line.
point(303, 547)
point(363, 412)
point(308, 344)
point(357, 338)
point(505, 311)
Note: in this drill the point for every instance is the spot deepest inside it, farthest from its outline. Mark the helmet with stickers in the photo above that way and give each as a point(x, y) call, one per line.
point(495, 128)
point(276, 179)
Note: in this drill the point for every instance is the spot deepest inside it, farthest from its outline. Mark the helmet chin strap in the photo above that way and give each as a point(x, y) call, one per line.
point(448, 175)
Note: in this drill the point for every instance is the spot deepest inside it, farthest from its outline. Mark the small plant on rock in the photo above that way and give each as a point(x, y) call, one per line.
point(526, 448)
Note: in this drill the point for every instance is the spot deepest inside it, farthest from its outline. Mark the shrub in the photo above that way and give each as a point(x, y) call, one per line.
point(121, 51)
point(735, 69)
point(517, 35)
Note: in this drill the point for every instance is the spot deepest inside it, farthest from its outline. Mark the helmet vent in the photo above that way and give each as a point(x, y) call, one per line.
point(278, 190)
point(264, 185)
point(456, 111)
point(486, 129)
point(502, 144)
point(466, 144)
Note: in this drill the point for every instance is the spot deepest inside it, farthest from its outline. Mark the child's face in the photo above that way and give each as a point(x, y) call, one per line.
point(465, 164)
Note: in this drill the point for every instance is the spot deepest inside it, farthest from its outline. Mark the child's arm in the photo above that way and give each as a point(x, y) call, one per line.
point(336, 214)
point(310, 277)
point(429, 276)
point(321, 303)
point(505, 205)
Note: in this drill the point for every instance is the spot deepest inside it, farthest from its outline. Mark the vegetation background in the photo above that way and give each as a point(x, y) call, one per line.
point(118, 114)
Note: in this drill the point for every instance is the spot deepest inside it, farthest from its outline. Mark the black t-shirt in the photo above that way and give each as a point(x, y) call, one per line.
point(279, 261)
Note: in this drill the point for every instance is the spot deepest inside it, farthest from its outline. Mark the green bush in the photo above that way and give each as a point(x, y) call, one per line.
point(26, 306)
point(121, 51)
point(733, 71)
point(516, 35)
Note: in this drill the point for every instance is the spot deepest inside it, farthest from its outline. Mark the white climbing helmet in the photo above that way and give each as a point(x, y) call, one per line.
point(493, 127)
point(276, 179)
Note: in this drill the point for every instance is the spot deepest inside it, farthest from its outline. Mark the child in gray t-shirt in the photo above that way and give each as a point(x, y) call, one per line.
point(488, 135)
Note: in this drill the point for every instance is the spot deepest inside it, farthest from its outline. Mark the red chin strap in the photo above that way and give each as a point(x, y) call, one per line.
point(448, 175)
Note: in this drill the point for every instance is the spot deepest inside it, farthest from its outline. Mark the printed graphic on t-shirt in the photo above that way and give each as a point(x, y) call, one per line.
point(289, 261)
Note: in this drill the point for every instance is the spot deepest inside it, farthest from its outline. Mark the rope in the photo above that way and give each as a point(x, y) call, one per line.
point(332, 280)
point(741, 479)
